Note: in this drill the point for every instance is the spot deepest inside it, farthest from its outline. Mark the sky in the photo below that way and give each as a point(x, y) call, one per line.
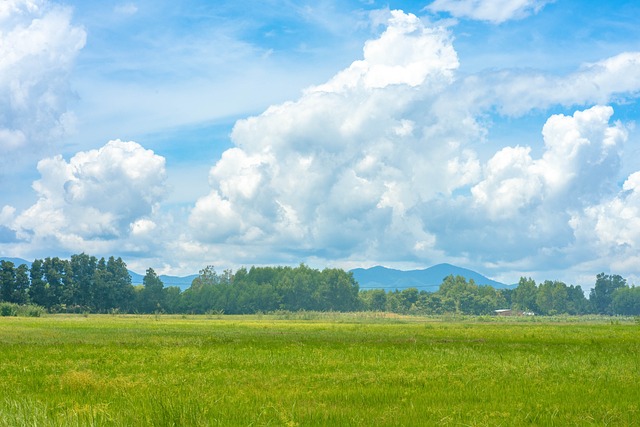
point(499, 136)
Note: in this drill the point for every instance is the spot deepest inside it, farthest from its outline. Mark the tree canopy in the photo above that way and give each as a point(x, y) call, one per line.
point(87, 284)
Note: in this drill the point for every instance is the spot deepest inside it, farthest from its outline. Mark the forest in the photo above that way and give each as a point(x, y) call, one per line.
point(86, 284)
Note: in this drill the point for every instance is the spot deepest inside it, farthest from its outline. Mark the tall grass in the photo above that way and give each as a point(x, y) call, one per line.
point(316, 369)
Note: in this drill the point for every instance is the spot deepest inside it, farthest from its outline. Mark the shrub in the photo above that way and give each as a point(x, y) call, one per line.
point(8, 309)
point(32, 310)
point(28, 310)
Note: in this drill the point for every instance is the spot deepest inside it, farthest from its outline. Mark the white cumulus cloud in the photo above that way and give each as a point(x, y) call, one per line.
point(522, 210)
point(406, 53)
point(97, 196)
point(578, 167)
point(338, 170)
point(612, 227)
point(528, 211)
point(382, 165)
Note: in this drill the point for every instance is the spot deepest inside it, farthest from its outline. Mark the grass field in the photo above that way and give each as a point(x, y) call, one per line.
point(317, 370)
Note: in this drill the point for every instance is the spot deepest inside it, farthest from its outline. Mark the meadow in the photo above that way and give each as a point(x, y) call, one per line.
point(306, 370)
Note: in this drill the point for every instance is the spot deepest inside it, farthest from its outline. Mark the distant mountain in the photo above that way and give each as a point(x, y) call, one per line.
point(181, 282)
point(136, 279)
point(428, 279)
point(16, 261)
point(377, 277)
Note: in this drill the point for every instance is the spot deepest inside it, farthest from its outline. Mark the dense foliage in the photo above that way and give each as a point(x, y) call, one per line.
point(262, 289)
point(611, 295)
point(87, 284)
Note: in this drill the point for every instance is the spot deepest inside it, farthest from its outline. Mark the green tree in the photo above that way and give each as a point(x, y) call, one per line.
point(119, 285)
point(21, 293)
point(152, 295)
point(576, 301)
point(408, 299)
point(173, 300)
point(552, 297)
point(373, 299)
point(525, 295)
point(7, 281)
point(100, 292)
point(297, 290)
point(626, 301)
point(336, 290)
point(206, 277)
point(209, 291)
point(469, 298)
point(112, 289)
point(394, 302)
point(38, 292)
point(507, 295)
point(58, 276)
point(435, 303)
point(83, 268)
point(601, 294)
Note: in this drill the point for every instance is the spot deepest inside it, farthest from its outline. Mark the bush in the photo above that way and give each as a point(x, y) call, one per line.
point(8, 309)
point(29, 310)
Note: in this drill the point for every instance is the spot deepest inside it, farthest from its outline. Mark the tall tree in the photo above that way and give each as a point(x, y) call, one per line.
point(408, 298)
point(206, 277)
point(7, 281)
point(337, 290)
point(21, 293)
point(552, 297)
point(83, 269)
point(374, 299)
point(525, 295)
point(152, 295)
point(120, 285)
point(57, 273)
point(626, 301)
point(601, 294)
point(576, 301)
point(101, 283)
point(38, 290)
point(467, 297)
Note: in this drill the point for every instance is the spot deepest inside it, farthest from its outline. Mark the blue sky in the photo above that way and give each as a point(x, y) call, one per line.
point(496, 135)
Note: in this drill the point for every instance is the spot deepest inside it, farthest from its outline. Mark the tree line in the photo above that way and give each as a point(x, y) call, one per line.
point(611, 295)
point(86, 284)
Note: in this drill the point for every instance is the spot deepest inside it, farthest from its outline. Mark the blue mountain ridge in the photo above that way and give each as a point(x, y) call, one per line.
point(377, 277)
point(428, 279)
point(182, 282)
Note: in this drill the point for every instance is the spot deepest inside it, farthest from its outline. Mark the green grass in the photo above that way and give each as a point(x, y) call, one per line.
point(311, 369)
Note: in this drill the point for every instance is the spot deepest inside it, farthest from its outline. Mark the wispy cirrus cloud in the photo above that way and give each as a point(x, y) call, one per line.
point(38, 46)
point(126, 9)
point(495, 11)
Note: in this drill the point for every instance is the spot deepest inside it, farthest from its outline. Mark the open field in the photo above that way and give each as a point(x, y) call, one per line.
point(317, 370)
